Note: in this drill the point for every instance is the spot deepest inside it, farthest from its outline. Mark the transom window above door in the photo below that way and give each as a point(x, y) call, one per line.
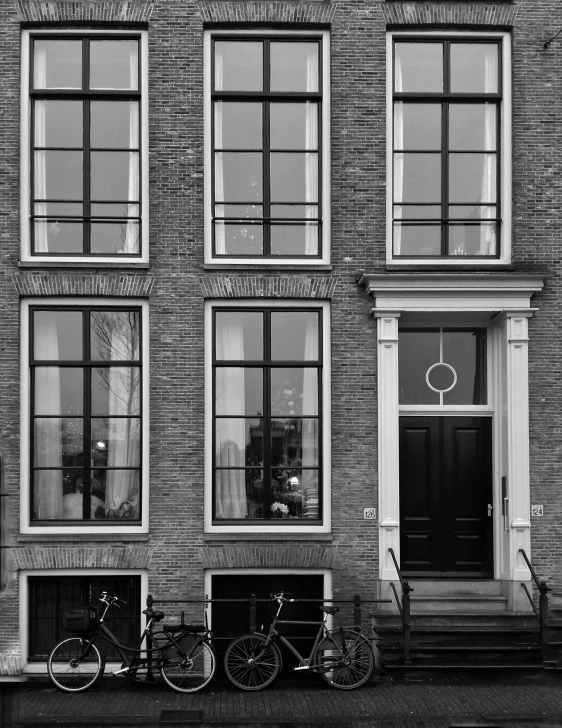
point(267, 112)
point(447, 139)
point(442, 366)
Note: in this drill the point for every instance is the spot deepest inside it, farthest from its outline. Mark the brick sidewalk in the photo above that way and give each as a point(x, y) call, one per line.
point(439, 702)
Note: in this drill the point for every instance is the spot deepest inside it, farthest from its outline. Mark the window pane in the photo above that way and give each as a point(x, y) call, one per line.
point(57, 335)
point(472, 126)
point(54, 236)
point(417, 126)
point(417, 177)
point(112, 209)
point(116, 442)
point(239, 336)
point(116, 391)
point(238, 125)
point(292, 440)
point(58, 441)
point(472, 212)
point(417, 212)
point(239, 211)
point(114, 64)
point(238, 66)
point(474, 67)
point(236, 239)
point(248, 434)
point(294, 126)
point(295, 212)
point(58, 175)
point(238, 177)
point(238, 493)
point(473, 239)
point(114, 335)
point(48, 496)
point(58, 123)
point(294, 391)
point(465, 351)
point(59, 209)
point(294, 493)
point(294, 239)
point(294, 66)
point(238, 391)
point(115, 238)
point(294, 177)
point(57, 64)
point(417, 239)
point(418, 350)
point(115, 175)
point(472, 177)
point(115, 494)
point(418, 67)
point(59, 391)
point(114, 124)
point(294, 336)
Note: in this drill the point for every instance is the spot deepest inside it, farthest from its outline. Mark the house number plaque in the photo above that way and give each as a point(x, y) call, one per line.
point(369, 513)
point(537, 510)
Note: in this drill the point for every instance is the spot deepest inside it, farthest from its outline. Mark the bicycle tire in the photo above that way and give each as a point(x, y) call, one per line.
point(249, 665)
point(69, 674)
point(346, 672)
point(190, 672)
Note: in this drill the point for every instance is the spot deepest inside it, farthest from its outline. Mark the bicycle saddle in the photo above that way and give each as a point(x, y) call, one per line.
point(329, 610)
point(173, 628)
point(151, 614)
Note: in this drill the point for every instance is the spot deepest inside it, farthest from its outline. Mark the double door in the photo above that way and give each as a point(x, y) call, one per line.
point(446, 496)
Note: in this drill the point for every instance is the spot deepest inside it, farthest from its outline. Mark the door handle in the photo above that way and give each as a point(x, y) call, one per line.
point(490, 508)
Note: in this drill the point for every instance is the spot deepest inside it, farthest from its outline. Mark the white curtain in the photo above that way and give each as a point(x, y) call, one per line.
point(131, 235)
point(230, 487)
point(487, 230)
point(398, 162)
point(310, 426)
point(40, 171)
point(220, 229)
point(311, 140)
point(48, 495)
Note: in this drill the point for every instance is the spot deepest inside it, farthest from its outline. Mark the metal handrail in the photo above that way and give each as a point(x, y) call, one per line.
point(403, 608)
point(542, 613)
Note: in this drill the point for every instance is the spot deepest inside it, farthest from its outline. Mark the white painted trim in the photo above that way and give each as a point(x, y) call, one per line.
point(25, 526)
point(25, 162)
point(24, 574)
point(325, 152)
point(505, 151)
point(326, 424)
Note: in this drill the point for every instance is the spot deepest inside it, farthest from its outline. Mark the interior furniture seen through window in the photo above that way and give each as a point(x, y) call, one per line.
point(266, 119)
point(447, 101)
point(267, 379)
point(86, 414)
point(85, 146)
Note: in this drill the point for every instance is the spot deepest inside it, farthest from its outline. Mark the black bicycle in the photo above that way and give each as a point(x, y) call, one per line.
point(181, 652)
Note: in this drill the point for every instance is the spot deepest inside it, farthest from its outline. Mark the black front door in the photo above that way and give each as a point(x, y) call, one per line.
point(446, 496)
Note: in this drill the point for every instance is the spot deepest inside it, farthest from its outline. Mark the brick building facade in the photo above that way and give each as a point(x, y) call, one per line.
point(301, 188)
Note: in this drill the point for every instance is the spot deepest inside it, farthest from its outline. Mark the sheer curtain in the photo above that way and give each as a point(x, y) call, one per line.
point(230, 487)
point(220, 229)
point(131, 235)
point(48, 431)
point(487, 230)
point(398, 161)
point(311, 168)
point(310, 426)
point(40, 161)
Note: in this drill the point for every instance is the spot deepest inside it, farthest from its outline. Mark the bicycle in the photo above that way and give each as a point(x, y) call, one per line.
point(181, 652)
point(343, 656)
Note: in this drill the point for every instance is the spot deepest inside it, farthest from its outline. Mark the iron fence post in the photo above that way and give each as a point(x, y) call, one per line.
point(149, 674)
point(357, 611)
point(406, 589)
point(253, 627)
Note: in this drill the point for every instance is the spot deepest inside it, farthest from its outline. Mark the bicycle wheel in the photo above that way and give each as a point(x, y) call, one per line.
point(192, 671)
point(346, 669)
point(249, 665)
point(70, 670)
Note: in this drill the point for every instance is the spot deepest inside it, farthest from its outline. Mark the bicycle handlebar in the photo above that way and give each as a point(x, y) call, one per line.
point(111, 600)
point(280, 597)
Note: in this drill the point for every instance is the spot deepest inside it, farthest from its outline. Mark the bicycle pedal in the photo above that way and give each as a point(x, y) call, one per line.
point(301, 667)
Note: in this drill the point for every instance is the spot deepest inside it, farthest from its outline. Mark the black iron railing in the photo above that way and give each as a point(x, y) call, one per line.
point(542, 612)
point(404, 607)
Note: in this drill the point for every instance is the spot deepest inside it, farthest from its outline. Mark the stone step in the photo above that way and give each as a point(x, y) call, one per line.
point(452, 603)
point(482, 620)
point(455, 588)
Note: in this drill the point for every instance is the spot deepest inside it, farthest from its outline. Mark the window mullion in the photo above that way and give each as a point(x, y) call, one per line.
point(266, 182)
point(267, 443)
point(87, 422)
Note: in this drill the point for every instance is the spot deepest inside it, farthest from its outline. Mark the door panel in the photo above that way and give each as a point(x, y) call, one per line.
point(445, 488)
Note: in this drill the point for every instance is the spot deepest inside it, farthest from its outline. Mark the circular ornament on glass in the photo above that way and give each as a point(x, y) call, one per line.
point(441, 377)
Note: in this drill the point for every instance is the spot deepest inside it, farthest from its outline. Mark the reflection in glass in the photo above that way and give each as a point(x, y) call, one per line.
point(472, 212)
point(114, 175)
point(58, 175)
point(114, 124)
point(116, 442)
point(110, 238)
point(58, 123)
point(239, 211)
point(294, 126)
point(238, 391)
point(473, 239)
point(227, 432)
point(243, 327)
point(238, 125)
point(474, 67)
point(294, 391)
point(418, 350)
point(417, 126)
point(294, 177)
point(294, 239)
point(472, 127)
point(472, 177)
point(288, 439)
point(59, 236)
point(294, 336)
point(465, 351)
point(114, 209)
point(238, 66)
point(58, 440)
point(116, 391)
point(57, 64)
point(58, 390)
point(114, 64)
point(114, 335)
point(417, 212)
point(57, 335)
point(238, 239)
point(418, 67)
point(417, 177)
point(417, 239)
point(294, 66)
point(295, 212)
point(238, 177)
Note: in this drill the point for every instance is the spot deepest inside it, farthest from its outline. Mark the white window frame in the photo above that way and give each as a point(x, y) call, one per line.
point(40, 668)
point(300, 527)
point(325, 237)
point(25, 160)
point(26, 526)
point(505, 152)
